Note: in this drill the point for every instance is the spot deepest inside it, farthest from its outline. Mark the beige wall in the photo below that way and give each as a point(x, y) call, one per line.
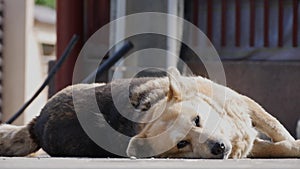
point(23, 71)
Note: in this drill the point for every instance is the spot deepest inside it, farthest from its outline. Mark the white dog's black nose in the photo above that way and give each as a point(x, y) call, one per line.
point(218, 149)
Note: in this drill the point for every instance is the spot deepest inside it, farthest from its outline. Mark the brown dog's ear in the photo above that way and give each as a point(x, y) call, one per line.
point(174, 86)
point(139, 147)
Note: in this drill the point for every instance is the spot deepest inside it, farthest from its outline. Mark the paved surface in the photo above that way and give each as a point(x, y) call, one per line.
point(92, 163)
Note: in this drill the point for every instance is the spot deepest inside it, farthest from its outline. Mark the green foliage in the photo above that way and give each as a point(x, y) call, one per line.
point(49, 3)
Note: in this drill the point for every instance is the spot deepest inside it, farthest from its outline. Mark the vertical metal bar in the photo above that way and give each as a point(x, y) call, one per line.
point(223, 23)
point(1, 56)
point(195, 15)
point(295, 23)
point(196, 12)
point(252, 23)
point(237, 23)
point(209, 19)
point(266, 22)
point(280, 23)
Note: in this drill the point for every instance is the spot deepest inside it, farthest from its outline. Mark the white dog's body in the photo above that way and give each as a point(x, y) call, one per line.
point(240, 119)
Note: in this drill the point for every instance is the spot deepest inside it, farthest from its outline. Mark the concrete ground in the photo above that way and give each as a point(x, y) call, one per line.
point(93, 163)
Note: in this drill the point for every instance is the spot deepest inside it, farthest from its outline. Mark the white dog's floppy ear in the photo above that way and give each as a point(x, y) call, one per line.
point(139, 147)
point(173, 71)
point(174, 86)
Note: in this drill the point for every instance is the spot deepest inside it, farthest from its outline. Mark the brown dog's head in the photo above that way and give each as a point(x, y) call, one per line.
point(189, 125)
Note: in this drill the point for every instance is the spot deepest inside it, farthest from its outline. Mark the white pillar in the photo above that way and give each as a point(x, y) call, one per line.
point(298, 129)
point(22, 61)
point(175, 27)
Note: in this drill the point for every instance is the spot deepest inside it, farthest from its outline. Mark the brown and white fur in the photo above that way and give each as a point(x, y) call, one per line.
point(189, 117)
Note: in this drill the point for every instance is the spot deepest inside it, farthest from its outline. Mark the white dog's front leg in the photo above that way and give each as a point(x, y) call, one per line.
point(266, 123)
point(282, 149)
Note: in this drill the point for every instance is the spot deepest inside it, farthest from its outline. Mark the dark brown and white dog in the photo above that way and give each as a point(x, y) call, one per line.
point(183, 117)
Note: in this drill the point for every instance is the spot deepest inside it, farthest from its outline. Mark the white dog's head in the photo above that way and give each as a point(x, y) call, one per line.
point(188, 126)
